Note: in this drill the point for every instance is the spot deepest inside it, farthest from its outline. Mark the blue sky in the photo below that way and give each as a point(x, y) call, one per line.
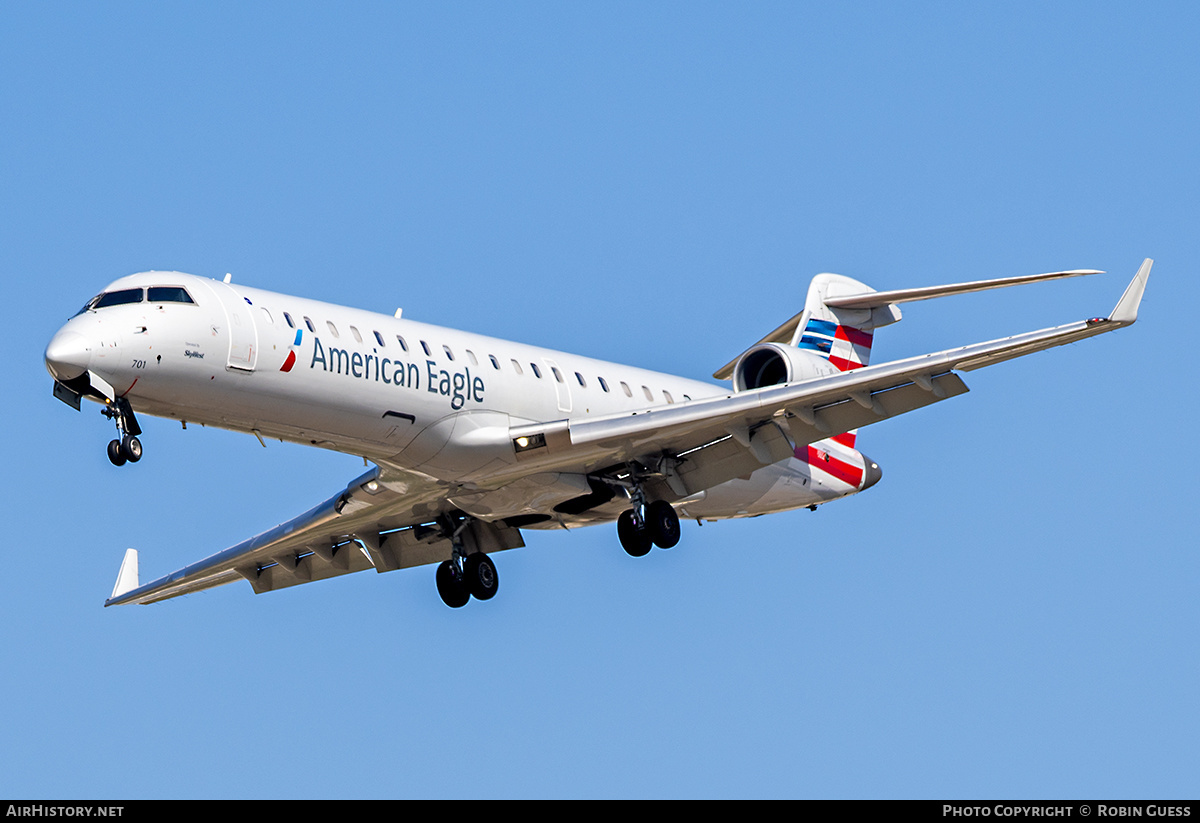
point(1011, 612)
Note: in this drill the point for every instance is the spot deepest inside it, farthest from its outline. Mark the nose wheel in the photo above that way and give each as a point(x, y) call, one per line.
point(126, 448)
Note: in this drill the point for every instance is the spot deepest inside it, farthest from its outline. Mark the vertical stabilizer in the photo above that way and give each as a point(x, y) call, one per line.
point(841, 335)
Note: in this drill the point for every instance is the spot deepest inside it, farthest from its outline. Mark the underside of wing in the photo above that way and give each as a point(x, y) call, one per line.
point(383, 520)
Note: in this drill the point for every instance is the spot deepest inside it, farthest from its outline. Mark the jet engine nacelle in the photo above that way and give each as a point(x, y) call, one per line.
point(772, 364)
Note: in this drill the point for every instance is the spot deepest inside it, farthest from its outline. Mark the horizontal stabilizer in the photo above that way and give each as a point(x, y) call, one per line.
point(870, 300)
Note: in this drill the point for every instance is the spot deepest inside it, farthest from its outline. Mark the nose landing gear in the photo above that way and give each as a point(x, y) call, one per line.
point(126, 448)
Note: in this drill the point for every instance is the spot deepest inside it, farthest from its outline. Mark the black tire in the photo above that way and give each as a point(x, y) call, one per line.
point(450, 586)
point(481, 578)
point(131, 447)
point(636, 542)
point(116, 454)
point(663, 524)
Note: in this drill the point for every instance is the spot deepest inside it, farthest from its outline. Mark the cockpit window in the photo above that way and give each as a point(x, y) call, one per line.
point(169, 294)
point(87, 305)
point(117, 298)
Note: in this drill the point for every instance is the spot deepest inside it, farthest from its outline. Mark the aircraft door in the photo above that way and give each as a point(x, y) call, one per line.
point(562, 389)
point(243, 334)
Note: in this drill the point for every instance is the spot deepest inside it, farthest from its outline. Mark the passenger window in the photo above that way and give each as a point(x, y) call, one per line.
point(291, 323)
point(603, 383)
point(625, 388)
point(649, 394)
point(495, 362)
point(449, 353)
point(267, 314)
point(557, 374)
point(357, 336)
point(579, 377)
point(517, 367)
point(379, 339)
point(536, 371)
point(332, 328)
point(425, 346)
point(169, 294)
point(403, 345)
point(667, 395)
point(310, 325)
point(471, 357)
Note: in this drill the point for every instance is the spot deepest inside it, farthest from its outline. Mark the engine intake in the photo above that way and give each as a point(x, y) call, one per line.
point(772, 364)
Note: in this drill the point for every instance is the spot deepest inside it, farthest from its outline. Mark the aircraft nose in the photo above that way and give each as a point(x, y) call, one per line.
point(874, 473)
point(68, 355)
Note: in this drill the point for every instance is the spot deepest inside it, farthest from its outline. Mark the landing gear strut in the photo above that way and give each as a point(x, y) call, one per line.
point(464, 576)
point(646, 525)
point(127, 448)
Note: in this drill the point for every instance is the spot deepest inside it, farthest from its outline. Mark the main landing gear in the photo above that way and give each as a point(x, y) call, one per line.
point(464, 576)
point(126, 448)
point(646, 525)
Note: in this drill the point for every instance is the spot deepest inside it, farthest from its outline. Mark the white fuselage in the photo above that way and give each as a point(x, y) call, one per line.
point(427, 399)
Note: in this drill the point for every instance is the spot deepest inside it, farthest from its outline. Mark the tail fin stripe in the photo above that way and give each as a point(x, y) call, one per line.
point(816, 326)
point(855, 336)
point(815, 343)
point(843, 364)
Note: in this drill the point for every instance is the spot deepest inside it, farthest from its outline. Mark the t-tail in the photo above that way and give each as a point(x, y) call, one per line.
point(834, 333)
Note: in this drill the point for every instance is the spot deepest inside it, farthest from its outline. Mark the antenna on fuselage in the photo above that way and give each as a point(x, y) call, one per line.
point(398, 313)
point(228, 277)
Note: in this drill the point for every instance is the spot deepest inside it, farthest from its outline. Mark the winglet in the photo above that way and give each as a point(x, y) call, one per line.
point(1126, 309)
point(127, 577)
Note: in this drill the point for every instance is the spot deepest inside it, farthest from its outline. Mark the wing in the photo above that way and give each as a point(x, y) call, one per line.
point(699, 444)
point(379, 521)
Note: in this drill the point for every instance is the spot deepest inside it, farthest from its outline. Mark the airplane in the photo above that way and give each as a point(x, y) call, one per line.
point(474, 439)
